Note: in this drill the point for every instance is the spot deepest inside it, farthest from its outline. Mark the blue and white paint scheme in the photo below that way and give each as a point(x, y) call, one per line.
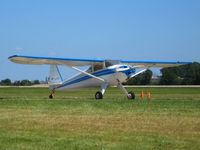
point(101, 73)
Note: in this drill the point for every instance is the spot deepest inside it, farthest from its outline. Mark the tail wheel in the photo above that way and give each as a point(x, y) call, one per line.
point(51, 96)
point(99, 95)
point(131, 95)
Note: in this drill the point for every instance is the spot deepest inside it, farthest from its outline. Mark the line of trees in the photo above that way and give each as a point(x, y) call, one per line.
point(8, 82)
point(181, 75)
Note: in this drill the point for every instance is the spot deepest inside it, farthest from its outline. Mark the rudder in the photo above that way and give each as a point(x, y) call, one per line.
point(55, 77)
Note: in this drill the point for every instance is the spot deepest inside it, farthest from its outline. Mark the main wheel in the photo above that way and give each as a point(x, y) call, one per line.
point(131, 95)
point(99, 95)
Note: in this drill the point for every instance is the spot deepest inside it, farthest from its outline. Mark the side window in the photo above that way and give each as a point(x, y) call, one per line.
point(98, 67)
point(107, 63)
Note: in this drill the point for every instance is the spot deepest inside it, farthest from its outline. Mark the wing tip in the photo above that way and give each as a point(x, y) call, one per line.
point(10, 57)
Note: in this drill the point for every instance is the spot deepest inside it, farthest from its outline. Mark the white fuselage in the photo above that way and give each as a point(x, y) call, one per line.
point(111, 75)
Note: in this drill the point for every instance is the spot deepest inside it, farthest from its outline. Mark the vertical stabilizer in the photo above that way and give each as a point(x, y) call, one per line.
point(55, 76)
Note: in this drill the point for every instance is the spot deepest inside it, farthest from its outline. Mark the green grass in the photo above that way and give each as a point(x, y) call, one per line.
point(75, 120)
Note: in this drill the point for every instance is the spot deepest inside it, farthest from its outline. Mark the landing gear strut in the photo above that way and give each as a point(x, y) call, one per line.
point(99, 94)
point(130, 95)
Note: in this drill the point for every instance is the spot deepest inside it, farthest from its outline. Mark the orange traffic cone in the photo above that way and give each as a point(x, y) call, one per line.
point(148, 95)
point(142, 95)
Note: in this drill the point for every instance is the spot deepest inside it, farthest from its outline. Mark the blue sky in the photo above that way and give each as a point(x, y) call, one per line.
point(113, 29)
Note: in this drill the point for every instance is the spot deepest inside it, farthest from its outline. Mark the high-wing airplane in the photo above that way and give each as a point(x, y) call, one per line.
point(101, 73)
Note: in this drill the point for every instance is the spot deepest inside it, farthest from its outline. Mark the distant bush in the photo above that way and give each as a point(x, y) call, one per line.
point(6, 82)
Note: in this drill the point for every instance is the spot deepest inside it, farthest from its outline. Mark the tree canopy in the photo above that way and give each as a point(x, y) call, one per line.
point(181, 75)
point(141, 79)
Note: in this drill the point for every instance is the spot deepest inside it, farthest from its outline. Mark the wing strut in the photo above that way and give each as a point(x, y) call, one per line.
point(88, 74)
point(137, 73)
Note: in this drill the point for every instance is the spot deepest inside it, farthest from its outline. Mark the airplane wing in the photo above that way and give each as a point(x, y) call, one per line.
point(53, 61)
point(84, 62)
point(148, 64)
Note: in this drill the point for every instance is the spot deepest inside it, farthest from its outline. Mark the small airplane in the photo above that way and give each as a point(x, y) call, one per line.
point(99, 73)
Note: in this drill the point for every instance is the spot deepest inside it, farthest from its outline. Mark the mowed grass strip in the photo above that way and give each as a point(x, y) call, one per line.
point(75, 120)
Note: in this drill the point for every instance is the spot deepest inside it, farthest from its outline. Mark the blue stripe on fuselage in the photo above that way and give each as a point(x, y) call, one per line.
point(99, 73)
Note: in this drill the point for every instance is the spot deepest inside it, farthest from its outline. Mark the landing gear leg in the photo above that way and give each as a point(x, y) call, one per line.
point(99, 94)
point(130, 95)
point(51, 96)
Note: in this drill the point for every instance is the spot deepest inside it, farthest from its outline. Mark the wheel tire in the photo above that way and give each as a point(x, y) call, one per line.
point(131, 95)
point(98, 95)
point(51, 96)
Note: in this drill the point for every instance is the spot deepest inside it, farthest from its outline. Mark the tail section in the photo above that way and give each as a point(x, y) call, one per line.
point(55, 78)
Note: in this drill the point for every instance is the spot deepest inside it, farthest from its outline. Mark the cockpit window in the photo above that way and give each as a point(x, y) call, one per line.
point(95, 67)
point(98, 67)
point(109, 63)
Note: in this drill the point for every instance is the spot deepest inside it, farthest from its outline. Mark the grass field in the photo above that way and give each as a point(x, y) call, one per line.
point(75, 120)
